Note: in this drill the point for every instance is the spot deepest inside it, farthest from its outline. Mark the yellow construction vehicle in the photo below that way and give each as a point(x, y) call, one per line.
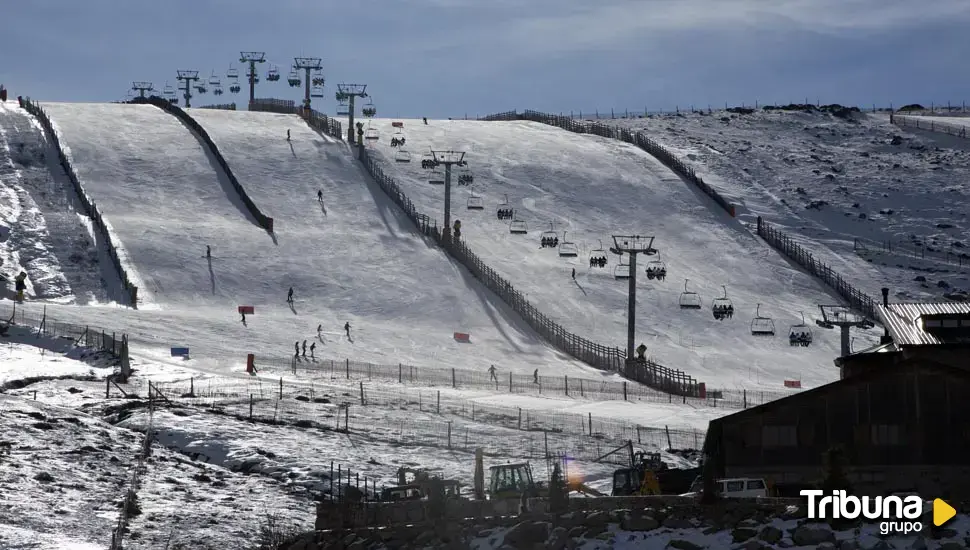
point(512, 480)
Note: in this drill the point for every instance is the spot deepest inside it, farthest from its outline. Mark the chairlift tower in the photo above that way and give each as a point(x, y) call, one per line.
point(632, 245)
point(348, 92)
point(252, 58)
point(142, 87)
point(307, 64)
point(187, 78)
point(844, 318)
point(449, 159)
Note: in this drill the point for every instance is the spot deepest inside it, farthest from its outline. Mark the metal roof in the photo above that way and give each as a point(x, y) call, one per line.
point(904, 324)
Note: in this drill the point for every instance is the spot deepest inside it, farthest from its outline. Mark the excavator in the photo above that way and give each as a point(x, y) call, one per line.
point(649, 475)
point(512, 480)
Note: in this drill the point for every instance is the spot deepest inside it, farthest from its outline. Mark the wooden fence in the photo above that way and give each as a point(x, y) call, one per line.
point(90, 208)
point(264, 221)
point(856, 299)
point(220, 106)
point(913, 249)
point(600, 356)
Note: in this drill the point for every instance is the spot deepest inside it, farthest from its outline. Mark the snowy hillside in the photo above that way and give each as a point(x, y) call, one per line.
point(592, 188)
point(830, 181)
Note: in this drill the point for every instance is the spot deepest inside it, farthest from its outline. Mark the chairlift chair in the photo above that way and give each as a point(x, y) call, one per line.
point(214, 80)
point(656, 269)
point(465, 176)
point(549, 239)
point(800, 334)
point(343, 108)
point(293, 79)
point(437, 177)
point(217, 91)
point(369, 110)
point(316, 91)
point(402, 155)
point(518, 227)
point(504, 210)
point(722, 307)
point(254, 75)
point(621, 270)
point(273, 74)
point(567, 249)
point(317, 81)
point(201, 88)
point(371, 133)
point(597, 256)
point(689, 299)
point(475, 202)
point(762, 326)
point(232, 73)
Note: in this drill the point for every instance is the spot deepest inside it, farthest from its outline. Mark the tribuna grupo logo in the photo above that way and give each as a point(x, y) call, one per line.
point(897, 515)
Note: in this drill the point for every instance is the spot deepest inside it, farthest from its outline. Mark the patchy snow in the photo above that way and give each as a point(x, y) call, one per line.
point(843, 187)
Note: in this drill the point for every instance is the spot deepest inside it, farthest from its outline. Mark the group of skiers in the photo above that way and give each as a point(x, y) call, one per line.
point(493, 376)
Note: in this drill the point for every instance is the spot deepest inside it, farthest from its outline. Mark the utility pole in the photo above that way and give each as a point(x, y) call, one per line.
point(844, 318)
point(187, 78)
point(309, 64)
point(252, 58)
point(448, 158)
point(348, 92)
point(142, 87)
point(632, 245)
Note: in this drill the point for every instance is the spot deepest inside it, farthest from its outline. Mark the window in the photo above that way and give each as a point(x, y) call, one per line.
point(734, 486)
point(779, 436)
point(885, 434)
point(755, 484)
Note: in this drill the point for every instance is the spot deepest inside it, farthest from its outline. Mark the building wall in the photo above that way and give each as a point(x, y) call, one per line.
point(906, 417)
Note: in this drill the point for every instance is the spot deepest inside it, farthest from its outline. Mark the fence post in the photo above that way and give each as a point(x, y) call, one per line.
point(347, 419)
point(347, 364)
point(107, 388)
point(581, 394)
point(590, 423)
point(449, 434)
point(510, 382)
point(566, 383)
point(250, 407)
point(624, 391)
point(744, 395)
point(520, 418)
point(439, 402)
point(192, 387)
point(281, 387)
point(400, 373)
point(454, 384)
point(669, 444)
point(362, 393)
point(638, 435)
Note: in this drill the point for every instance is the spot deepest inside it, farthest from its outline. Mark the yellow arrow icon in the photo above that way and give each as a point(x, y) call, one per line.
point(942, 512)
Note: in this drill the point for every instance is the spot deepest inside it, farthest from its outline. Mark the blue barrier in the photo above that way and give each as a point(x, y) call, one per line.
point(180, 352)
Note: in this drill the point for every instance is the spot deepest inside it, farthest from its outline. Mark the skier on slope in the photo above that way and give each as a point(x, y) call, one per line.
point(208, 252)
point(304, 348)
point(320, 196)
point(347, 328)
point(574, 273)
point(289, 296)
point(287, 134)
point(535, 376)
point(313, 346)
point(491, 373)
point(296, 348)
point(243, 313)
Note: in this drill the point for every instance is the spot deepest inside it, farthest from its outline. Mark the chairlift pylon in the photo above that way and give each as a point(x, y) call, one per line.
point(597, 256)
point(722, 308)
point(762, 326)
point(800, 334)
point(689, 299)
point(567, 249)
point(475, 202)
point(621, 270)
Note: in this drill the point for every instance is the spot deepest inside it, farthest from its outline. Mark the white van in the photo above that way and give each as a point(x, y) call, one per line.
point(742, 487)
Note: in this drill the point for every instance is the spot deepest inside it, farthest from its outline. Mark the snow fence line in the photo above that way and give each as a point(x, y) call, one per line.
point(90, 208)
point(315, 119)
point(265, 221)
point(649, 373)
point(927, 123)
point(783, 243)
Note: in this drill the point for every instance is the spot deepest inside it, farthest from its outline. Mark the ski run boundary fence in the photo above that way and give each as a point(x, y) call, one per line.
point(928, 123)
point(315, 119)
point(264, 221)
point(780, 241)
point(90, 208)
point(130, 502)
point(600, 356)
point(346, 371)
point(460, 424)
point(914, 249)
point(86, 336)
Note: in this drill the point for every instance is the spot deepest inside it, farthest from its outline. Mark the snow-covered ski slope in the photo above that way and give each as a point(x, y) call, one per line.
point(358, 261)
point(592, 188)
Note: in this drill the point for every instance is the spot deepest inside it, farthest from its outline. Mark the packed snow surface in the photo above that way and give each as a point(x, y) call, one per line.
point(592, 188)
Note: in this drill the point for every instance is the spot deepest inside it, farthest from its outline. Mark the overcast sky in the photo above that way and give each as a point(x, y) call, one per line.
point(441, 58)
